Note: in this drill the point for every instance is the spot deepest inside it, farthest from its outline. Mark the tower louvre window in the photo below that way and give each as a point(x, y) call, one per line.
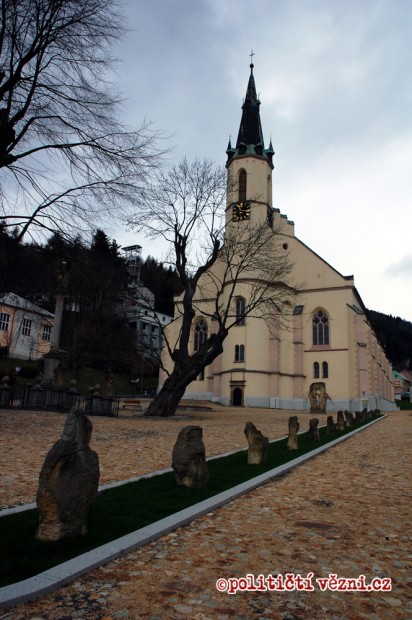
point(242, 185)
point(240, 310)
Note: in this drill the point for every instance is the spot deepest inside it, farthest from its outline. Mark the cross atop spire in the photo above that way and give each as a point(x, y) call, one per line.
point(252, 53)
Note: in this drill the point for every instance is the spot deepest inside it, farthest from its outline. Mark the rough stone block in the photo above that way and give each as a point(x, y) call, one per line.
point(189, 458)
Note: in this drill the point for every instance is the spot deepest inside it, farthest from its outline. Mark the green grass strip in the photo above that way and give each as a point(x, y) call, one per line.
point(404, 405)
point(129, 507)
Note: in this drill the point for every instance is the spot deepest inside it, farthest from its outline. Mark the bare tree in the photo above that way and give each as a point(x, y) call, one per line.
point(66, 159)
point(214, 262)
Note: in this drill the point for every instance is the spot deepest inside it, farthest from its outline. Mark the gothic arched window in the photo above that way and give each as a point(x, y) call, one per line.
point(320, 328)
point(200, 334)
point(242, 186)
point(325, 370)
point(240, 353)
point(240, 310)
point(316, 370)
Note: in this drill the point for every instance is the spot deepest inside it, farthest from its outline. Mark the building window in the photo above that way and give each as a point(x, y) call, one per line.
point(320, 327)
point(240, 310)
point(47, 330)
point(26, 329)
point(200, 334)
point(325, 370)
point(240, 353)
point(242, 185)
point(316, 370)
point(4, 321)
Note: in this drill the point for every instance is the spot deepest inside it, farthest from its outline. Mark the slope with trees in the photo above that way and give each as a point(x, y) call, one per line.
point(396, 335)
point(93, 331)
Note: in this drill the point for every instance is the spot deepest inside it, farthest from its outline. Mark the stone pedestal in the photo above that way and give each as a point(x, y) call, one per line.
point(53, 365)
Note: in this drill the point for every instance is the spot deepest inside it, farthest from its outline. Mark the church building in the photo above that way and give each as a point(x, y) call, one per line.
point(326, 356)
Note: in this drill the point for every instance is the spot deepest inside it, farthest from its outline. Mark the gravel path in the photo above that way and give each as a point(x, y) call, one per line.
point(346, 512)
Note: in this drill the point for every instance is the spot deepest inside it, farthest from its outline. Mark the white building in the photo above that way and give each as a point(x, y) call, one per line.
point(25, 329)
point(138, 309)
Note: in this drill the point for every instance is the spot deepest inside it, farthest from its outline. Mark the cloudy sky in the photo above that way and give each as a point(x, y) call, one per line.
point(335, 82)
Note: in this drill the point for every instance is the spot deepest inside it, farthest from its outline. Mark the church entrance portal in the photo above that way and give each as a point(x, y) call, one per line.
point(237, 397)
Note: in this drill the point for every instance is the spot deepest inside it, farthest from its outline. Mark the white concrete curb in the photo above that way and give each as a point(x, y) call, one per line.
point(50, 580)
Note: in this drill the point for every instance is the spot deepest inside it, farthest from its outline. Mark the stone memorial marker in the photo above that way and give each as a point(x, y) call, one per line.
point(189, 458)
point(258, 445)
point(341, 421)
point(68, 481)
point(292, 443)
point(313, 429)
point(360, 416)
point(318, 397)
point(349, 419)
point(330, 425)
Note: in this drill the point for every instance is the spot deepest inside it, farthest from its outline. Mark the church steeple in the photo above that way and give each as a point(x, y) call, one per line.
point(250, 137)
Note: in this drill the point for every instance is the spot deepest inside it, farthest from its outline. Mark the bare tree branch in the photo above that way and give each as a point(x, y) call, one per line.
point(215, 262)
point(60, 127)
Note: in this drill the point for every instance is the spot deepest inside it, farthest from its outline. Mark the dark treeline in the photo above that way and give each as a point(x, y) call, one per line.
point(94, 332)
point(396, 336)
point(163, 282)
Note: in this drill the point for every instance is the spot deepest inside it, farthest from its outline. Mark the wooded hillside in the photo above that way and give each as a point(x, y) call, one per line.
point(396, 336)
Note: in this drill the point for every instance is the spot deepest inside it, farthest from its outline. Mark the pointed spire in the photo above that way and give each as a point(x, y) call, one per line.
point(250, 131)
point(230, 151)
point(250, 137)
point(270, 151)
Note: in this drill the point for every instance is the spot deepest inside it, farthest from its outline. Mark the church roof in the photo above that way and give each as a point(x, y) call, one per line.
point(250, 137)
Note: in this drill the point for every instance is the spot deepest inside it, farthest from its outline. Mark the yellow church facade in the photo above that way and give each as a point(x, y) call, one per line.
point(324, 346)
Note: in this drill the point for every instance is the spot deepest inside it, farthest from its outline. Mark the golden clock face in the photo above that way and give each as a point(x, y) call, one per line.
point(241, 211)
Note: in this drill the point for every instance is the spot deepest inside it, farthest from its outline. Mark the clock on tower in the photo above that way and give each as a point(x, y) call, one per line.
point(241, 211)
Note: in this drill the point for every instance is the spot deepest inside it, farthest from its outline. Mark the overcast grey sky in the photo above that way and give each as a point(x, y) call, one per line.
point(335, 83)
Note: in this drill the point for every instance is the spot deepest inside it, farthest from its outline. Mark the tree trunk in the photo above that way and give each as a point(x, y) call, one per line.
point(169, 397)
point(186, 369)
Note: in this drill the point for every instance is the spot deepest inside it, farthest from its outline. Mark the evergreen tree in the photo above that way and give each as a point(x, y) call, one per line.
point(396, 336)
point(163, 282)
